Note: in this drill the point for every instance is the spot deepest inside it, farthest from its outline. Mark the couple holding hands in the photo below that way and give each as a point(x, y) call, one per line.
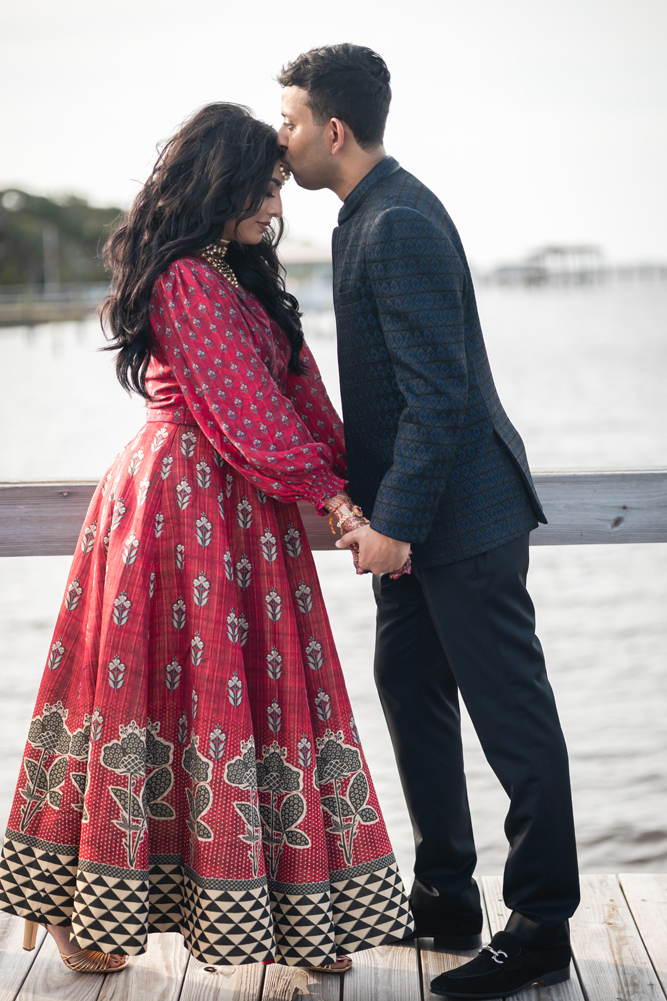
point(193, 763)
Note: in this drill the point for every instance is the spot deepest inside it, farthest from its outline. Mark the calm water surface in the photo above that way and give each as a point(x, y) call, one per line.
point(582, 374)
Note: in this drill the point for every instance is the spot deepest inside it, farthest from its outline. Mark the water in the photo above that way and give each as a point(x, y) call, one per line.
point(582, 374)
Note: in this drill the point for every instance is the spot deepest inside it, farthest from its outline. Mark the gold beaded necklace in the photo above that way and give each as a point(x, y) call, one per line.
point(215, 254)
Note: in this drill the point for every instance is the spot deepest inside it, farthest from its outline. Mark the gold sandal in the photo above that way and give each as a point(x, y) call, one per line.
point(83, 961)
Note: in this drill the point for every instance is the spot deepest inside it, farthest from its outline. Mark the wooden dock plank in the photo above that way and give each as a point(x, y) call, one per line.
point(222, 983)
point(290, 983)
point(435, 960)
point(15, 964)
point(610, 955)
point(388, 973)
point(50, 979)
point(615, 960)
point(647, 898)
point(498, 915)
point(155, 976)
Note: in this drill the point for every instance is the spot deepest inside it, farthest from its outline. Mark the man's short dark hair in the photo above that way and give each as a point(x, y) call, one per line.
point(349, 82)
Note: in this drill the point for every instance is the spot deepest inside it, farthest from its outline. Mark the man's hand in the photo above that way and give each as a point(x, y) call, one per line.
point(377, 553)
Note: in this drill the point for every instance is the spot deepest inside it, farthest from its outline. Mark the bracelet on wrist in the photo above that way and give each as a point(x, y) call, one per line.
point(346, 514)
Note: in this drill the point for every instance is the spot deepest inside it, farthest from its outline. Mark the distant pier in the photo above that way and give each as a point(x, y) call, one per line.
point(571, 265)
point(309, 278)
point(28, 305)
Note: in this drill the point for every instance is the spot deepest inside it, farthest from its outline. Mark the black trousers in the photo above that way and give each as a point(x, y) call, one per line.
point(470, 627)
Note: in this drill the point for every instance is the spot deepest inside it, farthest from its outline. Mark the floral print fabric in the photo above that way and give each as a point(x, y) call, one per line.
point(193, 764)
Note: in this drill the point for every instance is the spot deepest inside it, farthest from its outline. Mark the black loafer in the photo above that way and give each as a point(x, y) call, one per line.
point(503, 968)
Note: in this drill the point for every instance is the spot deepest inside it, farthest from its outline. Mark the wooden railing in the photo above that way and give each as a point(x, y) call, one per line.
point(44, 519)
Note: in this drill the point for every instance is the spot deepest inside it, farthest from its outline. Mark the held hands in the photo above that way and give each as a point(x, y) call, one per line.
point(371, 552)
point(377, 553)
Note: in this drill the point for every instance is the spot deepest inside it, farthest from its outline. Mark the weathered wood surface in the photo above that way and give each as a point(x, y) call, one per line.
point(15, 964)
point(647, 899)
point(284, 983)
point(155, 976)
point(619, 940)
point(50, 980)
point(389, 973)
point(222, 983)
point(435, 960)
point(591, 508)
point(44, 519)
point(610, 956)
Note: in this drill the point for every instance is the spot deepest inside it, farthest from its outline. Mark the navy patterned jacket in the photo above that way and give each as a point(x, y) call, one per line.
point(432, 456)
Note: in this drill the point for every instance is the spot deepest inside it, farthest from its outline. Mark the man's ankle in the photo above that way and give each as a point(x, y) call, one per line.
point(535, 934)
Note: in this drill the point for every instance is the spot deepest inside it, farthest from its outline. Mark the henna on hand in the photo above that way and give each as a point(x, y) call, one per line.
point(350, 518)
point(378, 553)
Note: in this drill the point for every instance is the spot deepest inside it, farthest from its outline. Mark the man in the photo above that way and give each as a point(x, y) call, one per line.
point(437, 466)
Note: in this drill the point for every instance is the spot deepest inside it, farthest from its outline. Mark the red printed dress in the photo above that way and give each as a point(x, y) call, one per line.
point(193, 764)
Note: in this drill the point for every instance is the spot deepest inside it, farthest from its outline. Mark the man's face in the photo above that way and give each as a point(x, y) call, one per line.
point(307, 156)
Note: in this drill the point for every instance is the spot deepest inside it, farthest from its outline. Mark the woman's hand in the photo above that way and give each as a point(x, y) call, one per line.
point(376, 553)
point(347, 515)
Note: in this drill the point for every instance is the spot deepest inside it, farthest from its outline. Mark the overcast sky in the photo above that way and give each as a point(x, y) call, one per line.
point(534, 121)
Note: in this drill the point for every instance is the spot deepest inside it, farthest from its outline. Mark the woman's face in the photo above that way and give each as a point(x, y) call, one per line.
point(253, 229)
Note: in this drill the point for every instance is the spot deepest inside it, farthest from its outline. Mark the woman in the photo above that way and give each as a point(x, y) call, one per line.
point(193, 764)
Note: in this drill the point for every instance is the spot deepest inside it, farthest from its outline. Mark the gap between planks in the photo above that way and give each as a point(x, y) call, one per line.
point(619, 941)
point(15, 964)
point(435, 960)
point(611, 958)
point(611, 962)
point(647, 899)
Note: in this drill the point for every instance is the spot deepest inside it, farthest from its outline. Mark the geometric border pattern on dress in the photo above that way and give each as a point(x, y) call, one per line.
point(226, 922)
point(110, 912)
point(303, 925)
point(222, 921)
point(165, 893)
point(228, 926)
point(370, 909)
point(37, 878)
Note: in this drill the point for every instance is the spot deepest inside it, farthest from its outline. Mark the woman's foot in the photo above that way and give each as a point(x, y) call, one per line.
point(86, 960)
point(342, 965)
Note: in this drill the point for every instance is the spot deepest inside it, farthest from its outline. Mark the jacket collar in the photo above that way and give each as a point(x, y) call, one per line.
point(381, 170)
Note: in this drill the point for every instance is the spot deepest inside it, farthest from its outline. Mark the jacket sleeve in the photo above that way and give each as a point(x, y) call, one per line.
point(418, 279)
point(311, 402)
point(231, 392)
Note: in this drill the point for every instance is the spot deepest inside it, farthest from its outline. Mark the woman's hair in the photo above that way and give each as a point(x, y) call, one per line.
point(216, 168)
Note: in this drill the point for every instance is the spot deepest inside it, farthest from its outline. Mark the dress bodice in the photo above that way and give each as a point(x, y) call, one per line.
point(219, 361)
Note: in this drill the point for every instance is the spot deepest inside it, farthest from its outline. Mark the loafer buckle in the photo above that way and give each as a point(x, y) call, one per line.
point(496, 953)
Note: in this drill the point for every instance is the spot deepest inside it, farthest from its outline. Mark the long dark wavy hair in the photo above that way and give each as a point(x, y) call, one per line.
point(216, 168)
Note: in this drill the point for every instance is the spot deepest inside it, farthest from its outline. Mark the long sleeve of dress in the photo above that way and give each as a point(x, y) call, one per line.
point(231, 392)
point(312, 404)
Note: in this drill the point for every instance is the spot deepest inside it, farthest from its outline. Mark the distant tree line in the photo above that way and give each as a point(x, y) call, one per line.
point(48, 242)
